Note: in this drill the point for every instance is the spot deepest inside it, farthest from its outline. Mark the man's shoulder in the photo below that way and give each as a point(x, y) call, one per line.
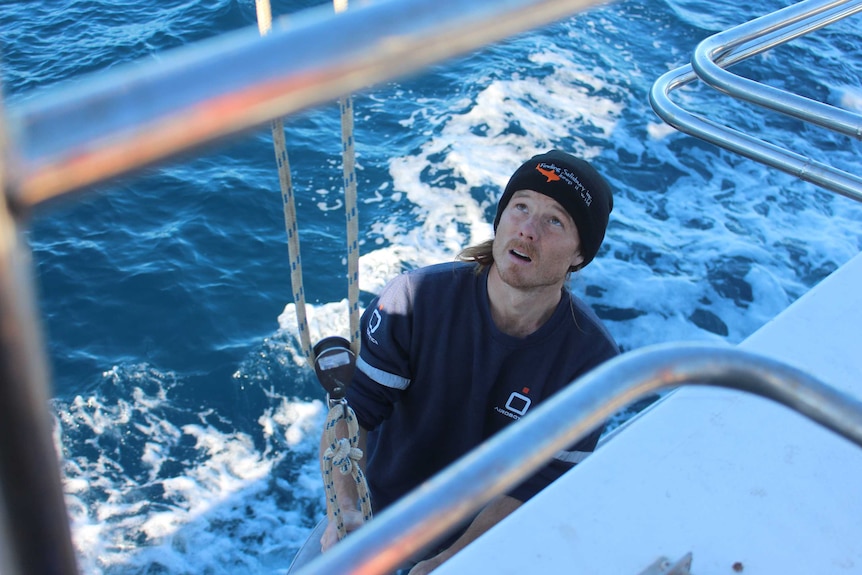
point(439, 280)
point(455, 268)
point(438, 276)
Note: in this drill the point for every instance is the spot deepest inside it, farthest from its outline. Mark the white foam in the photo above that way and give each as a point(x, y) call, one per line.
point(465, 161)
point(324, 320)
point(193, 518)
point(297, 421)
point(851, 98)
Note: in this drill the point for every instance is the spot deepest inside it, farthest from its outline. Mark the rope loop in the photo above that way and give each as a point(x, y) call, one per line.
point(343, 453)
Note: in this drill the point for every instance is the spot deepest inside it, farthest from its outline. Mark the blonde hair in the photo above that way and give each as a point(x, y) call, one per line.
point(481, 254)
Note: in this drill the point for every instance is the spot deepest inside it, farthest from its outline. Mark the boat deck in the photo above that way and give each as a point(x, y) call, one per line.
point(742, 483)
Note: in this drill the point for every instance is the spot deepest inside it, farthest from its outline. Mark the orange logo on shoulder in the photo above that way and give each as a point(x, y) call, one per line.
point(550, 174)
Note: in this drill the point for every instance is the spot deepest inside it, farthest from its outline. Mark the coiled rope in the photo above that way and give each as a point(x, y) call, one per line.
point(342, 453)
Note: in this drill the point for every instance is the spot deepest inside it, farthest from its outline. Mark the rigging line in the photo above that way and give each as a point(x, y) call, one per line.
point(264, 17)
point(348, 155)
point(264, 23)
point(352, 216)
point(343, 452)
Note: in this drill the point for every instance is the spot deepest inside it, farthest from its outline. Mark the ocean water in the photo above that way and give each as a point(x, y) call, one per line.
point(186, 418)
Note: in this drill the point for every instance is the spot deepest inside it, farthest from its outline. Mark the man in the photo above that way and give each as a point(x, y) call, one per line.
point(454, 352)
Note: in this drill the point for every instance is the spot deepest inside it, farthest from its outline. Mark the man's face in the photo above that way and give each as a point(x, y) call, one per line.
point(536, 242)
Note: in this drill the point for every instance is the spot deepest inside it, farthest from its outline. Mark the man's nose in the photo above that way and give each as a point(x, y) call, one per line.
point(527, 228)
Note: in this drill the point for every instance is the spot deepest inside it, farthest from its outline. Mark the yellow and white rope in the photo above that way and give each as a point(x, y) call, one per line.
point(348, 154)
point(264, 24)
point(343, 453)
point(352, 221)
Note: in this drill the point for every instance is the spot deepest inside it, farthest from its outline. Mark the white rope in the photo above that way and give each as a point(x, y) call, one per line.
point(348, 155)
point(352, 221)
point(264, 24)
point(343, 454)
point(264, 16)
point(339, 5)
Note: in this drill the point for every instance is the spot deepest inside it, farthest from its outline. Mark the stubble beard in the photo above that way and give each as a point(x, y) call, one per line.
point(523, 278)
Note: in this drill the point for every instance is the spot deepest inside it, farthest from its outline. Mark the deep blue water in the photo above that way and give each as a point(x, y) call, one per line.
point(186, 418)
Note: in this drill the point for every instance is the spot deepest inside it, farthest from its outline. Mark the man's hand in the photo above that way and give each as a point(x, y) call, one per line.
point(491, 514)
point(429, 565)
point(353, 520)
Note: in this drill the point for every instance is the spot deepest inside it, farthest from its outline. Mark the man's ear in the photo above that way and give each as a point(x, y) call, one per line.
point(577, 262)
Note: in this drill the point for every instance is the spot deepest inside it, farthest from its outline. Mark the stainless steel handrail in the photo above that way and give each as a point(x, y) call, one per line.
point(791, 22)
point(802, 167)
point(743, 42)
point(127, 118)
point(452, 496)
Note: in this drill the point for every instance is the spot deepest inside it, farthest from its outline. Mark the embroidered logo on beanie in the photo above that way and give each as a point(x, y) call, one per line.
point(550, 173)
point(554, 174)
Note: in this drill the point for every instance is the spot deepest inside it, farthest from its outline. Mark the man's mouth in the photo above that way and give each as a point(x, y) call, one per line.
point(520, 255)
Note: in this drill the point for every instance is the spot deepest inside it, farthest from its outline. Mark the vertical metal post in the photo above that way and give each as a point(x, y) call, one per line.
point(36, 538)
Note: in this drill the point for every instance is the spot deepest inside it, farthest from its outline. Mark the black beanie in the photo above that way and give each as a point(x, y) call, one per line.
point(576, 185)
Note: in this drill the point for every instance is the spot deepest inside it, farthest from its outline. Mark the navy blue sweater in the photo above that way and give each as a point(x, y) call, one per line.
point(436, 377)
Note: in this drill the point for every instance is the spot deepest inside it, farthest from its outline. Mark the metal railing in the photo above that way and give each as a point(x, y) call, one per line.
point(718, 52)
point(445, 501)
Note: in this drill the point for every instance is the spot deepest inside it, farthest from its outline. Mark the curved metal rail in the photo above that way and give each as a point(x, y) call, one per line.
point(727, 48)
point(759, 36)
point(455, 494)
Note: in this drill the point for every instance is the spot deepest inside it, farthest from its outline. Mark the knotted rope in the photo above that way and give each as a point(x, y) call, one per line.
point(343, 453)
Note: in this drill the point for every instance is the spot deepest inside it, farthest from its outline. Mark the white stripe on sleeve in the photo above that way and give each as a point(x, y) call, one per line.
point(382, 377)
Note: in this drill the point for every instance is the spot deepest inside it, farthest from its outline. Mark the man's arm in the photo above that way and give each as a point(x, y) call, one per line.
point(345, 489)
point(491, 514)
